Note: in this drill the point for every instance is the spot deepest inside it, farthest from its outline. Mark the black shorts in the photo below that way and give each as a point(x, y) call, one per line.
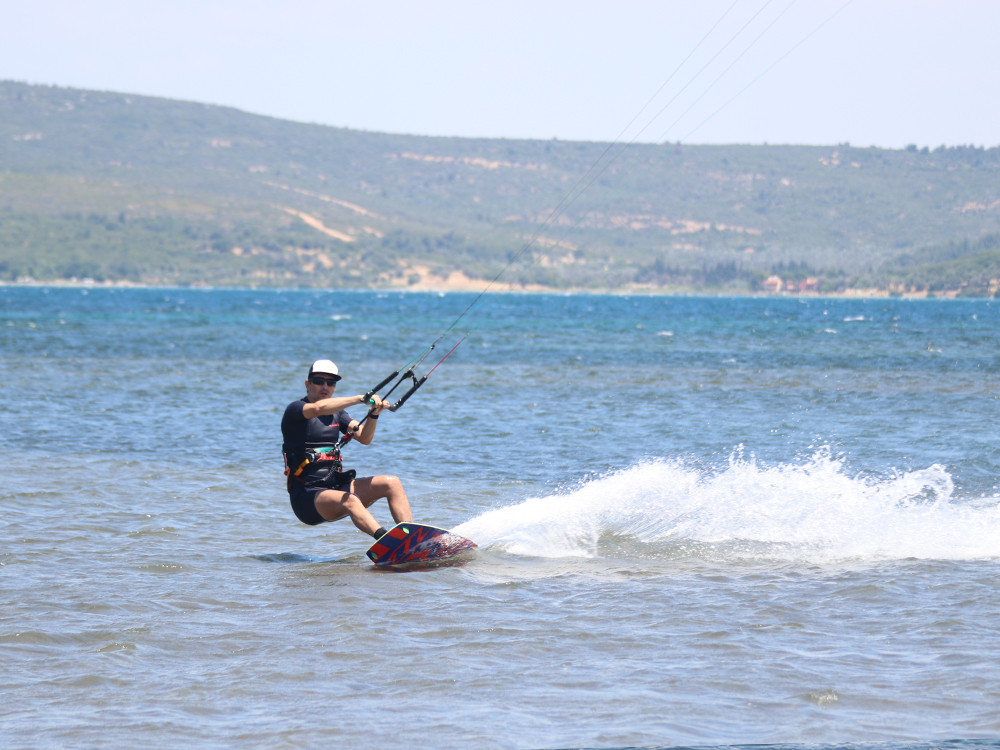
point(303, 499)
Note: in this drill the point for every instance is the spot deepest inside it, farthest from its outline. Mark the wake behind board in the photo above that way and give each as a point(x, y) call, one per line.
point(410, 544)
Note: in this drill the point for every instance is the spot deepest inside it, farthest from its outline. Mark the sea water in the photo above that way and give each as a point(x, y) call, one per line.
point(701, 521)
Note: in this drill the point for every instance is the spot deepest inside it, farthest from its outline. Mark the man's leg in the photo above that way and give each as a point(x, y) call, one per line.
point(336, 504)
point(370, 489)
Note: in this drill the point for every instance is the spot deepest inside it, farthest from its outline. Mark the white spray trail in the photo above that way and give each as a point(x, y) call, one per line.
point(811, 511)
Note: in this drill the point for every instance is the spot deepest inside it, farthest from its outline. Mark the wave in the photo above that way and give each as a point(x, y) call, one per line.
point(809, 511)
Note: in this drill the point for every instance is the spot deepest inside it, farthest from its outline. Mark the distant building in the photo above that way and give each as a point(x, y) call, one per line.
point(773, 284)
point(776, 285)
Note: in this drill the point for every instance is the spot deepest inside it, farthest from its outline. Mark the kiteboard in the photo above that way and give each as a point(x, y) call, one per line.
point(416, 544)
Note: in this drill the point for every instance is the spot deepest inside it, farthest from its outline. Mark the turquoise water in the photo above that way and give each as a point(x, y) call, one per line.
point(702, 522)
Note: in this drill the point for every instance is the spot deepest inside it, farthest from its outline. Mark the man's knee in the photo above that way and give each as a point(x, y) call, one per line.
point(352, 503)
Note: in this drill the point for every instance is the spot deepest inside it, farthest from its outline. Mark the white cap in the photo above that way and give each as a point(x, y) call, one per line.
point(324, 367)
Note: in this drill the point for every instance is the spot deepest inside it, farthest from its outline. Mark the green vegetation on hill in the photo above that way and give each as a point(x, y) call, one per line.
point(126, 188)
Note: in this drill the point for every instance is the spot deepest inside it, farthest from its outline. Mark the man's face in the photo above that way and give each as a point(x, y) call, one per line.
point(320, 386)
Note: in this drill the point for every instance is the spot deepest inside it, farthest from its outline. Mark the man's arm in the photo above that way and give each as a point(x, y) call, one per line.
point(330, 405)
point(367, 433)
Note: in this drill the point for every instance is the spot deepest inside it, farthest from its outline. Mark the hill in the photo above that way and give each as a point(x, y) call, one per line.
point(123, 188)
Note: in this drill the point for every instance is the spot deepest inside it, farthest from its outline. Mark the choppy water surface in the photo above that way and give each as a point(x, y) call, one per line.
point(701, 522)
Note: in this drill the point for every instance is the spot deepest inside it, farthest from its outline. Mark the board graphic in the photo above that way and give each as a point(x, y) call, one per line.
point(409, 543)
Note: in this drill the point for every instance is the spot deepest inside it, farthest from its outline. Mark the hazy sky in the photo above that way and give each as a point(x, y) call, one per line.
point(870, 72)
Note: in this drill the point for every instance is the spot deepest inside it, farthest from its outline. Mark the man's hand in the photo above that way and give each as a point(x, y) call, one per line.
point(378, 405)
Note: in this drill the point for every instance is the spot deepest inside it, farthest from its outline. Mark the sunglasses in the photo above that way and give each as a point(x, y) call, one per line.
point(317, 380)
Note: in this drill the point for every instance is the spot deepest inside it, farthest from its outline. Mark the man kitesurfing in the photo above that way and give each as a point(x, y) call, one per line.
point(313, 429)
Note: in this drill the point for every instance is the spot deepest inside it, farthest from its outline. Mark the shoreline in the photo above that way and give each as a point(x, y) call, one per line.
point(486, 287)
